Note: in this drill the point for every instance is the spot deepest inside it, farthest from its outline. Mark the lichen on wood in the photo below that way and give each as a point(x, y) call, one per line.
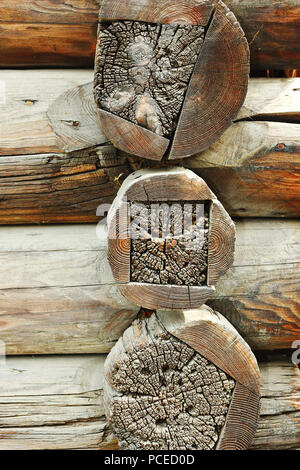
point(162, 394)
point(170, 258)
point(143, 70)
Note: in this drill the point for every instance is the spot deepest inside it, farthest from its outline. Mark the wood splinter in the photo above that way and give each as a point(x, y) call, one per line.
point(182, 380)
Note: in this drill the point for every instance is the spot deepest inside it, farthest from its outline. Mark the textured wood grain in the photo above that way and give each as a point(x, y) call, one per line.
point(217, 88)
point(210, 334)
point(64, 34)
point(260, 161)
point(78, 309)
point(156, 417)
point(195, 12)
point(272, 29)
point(221, 246)
point(132, 138)
point(59, 187)
point(242, 420)
point(142, 71)
point(48, 33)
point(258, 177)
point(57, 402)
point(176, 185)
point(48, 111)
point(171, 79)
point(158, 296)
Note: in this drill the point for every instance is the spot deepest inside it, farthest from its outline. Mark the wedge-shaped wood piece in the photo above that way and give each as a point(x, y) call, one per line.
point(181, 392)
point(195, 12)
point(217, 88)
point(132, 138)
point(170, 239)
point(171, 296)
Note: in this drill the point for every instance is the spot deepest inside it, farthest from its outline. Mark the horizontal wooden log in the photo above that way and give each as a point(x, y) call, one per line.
point(49, 131)
point(254, 167)
point(58, 294)
point(64, 34)
point(57, 403)
point(47, 111)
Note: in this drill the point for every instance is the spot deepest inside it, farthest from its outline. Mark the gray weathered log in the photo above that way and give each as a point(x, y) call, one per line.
point(182, 380)
point(57, 403)
point(142, 71)
point(58, 295)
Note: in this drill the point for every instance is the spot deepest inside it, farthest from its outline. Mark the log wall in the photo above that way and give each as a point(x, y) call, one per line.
point(58, 297)
point(58, 294)
point(64, 35)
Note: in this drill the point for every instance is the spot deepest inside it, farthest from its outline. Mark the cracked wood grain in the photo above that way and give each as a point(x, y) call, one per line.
point(266, 161)
point(195, 12)
point(171, 258)
point(52, 34)
point(163, 391)
point(217, 88)
point(57, 403)
point(179, 81)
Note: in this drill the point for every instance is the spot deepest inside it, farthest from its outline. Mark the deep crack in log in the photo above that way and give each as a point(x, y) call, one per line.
point(143, 70)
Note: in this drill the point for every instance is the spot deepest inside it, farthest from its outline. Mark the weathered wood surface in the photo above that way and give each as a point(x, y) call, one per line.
point(59, 187)
point(64, 34)
point(46, 117)
point(184, 381)
point(47, 111)
point(254, 167)
point(57, 402)
point(170, 78)
point(58, 294)
point(131, 138)
point(172, 11)
point(173, 279)
point(217, 88)
point(142, 71)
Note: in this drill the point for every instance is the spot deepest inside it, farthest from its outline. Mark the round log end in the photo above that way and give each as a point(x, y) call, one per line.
point(162, 394)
